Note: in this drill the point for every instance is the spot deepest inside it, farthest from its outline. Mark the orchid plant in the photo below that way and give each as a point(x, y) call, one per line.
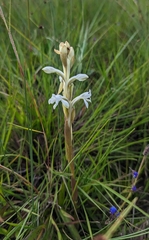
point(66, 87)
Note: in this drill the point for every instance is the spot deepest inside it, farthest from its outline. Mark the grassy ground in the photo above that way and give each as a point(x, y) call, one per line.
point(110, 39)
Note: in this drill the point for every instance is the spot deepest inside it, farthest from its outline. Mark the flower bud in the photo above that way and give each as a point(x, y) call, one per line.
point(66, 54)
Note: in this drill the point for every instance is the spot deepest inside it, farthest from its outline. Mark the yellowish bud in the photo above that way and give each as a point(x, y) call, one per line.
point(66, 54)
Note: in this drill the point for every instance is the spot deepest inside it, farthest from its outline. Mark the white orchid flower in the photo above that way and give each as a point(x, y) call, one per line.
point(66, 86)
point(86, 97)
point(58, 98)
point(50, 70)
point(80, 77)
point(55, 99)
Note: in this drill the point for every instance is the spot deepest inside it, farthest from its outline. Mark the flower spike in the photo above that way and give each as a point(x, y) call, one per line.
point(66, 87)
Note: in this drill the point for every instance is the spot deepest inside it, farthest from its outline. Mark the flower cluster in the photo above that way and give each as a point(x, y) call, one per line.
point(66, 53)
point(55, 99)
point(135, 175)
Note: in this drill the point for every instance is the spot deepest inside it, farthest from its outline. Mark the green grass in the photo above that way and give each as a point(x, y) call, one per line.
point(110, 39)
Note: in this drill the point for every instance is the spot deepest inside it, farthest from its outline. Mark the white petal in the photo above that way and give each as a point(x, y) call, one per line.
point(55, 99)
point(86, 103)
point(50, 101)
point(60, 79)
point(50, 69)
point(84, 96)
point(55, 105)
point(80, 77)
point(65, 103)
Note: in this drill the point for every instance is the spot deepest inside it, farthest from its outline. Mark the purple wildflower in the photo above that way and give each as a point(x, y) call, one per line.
point(134, 188)
point(113, 210)
point(135, 174)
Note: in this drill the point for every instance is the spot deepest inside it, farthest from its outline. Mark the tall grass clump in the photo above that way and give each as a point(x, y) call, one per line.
point(94, 185)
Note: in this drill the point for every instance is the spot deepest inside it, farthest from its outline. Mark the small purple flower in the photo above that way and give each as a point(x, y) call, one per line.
point(113, 210)
point(135, 174)
point(134, 188)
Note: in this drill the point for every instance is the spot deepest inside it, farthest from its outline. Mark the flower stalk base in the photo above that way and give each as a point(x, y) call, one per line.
point(69, 157)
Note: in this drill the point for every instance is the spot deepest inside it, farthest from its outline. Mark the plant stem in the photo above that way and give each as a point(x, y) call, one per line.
point(69, 157)
point(136, 179)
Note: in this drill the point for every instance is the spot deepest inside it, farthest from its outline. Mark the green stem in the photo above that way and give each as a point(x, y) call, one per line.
point(136, 179)
point(120, 219)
